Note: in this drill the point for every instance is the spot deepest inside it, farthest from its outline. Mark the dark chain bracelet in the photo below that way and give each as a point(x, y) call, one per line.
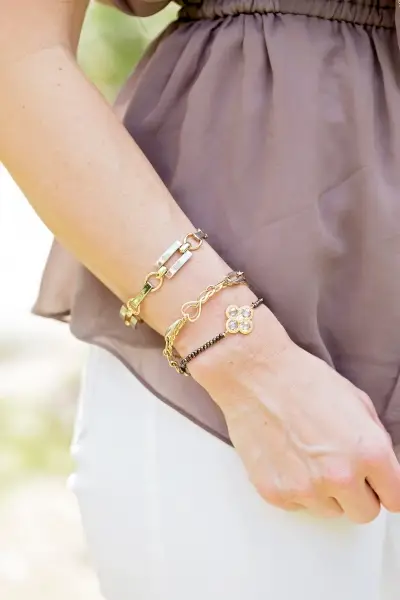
point(239, 320)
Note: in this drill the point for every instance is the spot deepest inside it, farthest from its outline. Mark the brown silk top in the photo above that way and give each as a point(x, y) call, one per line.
point(276, 124)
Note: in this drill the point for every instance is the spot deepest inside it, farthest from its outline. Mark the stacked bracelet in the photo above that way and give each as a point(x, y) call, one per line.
point(239, 319)
point(130, 311)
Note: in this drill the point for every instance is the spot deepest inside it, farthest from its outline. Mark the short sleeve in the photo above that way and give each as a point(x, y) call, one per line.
point(140, 8)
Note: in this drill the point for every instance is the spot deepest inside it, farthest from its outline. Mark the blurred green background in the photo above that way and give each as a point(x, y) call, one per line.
point(113, 43)
point(42, 554)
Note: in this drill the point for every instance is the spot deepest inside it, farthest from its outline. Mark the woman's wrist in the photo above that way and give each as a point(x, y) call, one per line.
point(212, 319)
point(235, 354)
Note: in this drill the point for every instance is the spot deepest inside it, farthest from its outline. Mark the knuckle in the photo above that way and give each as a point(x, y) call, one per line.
point(304, 493)
point(299, 490)
point(339, 477)
point(273, 496)
point(375, 453)
point(320, 481)
point(269, 493)
point(344, 480)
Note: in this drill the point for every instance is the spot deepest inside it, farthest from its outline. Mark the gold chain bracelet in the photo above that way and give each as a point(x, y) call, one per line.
point(239, 319)
point(130, 311)
point(191, 312)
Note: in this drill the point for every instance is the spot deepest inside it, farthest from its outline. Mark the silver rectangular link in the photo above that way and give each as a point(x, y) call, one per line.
point(168, 253)
point(184, 248)
point(178, 264)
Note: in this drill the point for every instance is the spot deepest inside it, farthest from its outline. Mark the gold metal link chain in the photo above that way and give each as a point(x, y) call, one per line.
point(130, 311)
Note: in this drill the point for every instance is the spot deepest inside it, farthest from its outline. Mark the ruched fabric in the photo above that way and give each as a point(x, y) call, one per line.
point(377, 14)
point(276, 126)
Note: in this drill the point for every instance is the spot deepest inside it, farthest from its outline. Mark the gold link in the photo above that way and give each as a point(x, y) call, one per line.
point(170, 337)
point(158, 276)
point(133, 304)
point(130, 311)
point(128, 317)
point(198, 236)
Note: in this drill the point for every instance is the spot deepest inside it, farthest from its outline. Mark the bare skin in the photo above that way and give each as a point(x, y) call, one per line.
point(307, 437)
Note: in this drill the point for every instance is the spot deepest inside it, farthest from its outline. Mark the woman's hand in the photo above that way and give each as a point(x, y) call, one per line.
point(308, 438)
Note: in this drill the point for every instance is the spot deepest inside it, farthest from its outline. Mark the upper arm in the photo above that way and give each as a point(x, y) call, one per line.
point(28, 26)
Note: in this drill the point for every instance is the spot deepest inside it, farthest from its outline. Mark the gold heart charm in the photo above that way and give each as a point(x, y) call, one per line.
point(239, 319)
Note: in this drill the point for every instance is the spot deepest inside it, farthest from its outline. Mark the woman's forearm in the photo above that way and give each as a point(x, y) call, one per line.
point(95, 190)
point(306, 436)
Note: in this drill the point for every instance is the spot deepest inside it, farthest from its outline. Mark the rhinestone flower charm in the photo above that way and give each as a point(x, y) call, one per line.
point(239, 319)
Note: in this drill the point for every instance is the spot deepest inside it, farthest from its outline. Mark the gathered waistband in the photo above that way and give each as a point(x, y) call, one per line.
point(376, 13)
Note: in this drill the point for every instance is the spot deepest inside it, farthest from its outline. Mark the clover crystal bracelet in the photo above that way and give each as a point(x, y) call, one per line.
point(238, 320)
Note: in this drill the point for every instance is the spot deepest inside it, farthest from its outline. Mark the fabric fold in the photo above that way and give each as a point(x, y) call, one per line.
point(290, 163)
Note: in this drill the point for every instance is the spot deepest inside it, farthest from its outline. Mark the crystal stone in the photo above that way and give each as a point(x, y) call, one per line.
point(246, 312)
point(233, 311)
point(232, 325)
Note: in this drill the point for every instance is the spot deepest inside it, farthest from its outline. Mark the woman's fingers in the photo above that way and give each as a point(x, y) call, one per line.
point(373, 480)
point(383, 476)
point(359, 502)
point(356, 486)
point(328, 509)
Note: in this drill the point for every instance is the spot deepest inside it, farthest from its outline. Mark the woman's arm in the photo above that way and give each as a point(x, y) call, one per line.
point(81, 170)
point(306, 436)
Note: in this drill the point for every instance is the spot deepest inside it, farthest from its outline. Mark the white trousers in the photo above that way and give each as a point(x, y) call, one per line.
point(169, 514)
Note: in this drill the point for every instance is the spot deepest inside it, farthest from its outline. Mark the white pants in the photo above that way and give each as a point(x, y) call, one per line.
point(169, 514)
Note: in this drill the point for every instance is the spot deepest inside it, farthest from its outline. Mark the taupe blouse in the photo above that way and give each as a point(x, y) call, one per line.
point(276, 124)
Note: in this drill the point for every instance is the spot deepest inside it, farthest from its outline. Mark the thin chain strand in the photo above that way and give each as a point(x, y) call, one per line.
point(233, 278)
point(183, 363)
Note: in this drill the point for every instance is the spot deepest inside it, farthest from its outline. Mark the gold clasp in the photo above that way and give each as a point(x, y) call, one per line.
point(198, 236)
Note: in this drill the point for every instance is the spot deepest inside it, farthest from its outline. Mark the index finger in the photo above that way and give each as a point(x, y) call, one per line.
point(384, 478)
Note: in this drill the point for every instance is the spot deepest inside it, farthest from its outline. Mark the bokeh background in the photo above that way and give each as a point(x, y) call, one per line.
point(42, 552)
